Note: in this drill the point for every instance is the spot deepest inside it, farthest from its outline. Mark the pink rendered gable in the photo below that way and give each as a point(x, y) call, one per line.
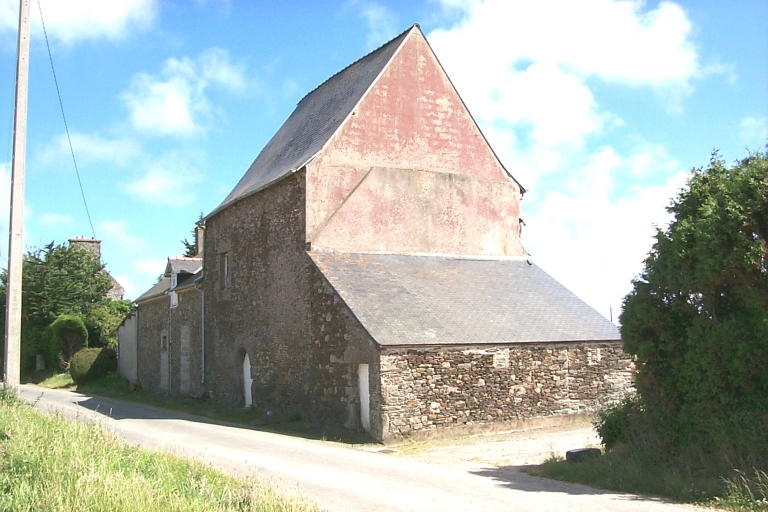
point(411, 118)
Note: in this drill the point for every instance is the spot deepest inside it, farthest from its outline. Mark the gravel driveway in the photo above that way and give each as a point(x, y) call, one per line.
point(503, 449)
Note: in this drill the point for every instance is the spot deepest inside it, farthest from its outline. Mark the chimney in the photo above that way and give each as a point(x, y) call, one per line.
point(91, 245)
point(199, 240)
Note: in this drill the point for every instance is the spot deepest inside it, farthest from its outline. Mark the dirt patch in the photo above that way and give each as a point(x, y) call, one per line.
point(513, 448)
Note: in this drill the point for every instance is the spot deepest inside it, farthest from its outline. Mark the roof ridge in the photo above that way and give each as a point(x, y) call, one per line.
point(377, 50)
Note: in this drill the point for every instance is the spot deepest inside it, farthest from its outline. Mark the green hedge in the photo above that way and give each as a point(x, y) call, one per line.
point(91, 363)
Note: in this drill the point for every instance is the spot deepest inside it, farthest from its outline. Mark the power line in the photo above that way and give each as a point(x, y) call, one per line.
point(66, 128)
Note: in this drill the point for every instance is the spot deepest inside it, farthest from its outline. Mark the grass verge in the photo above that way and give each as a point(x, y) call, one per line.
point(49, 463)
point(622, 471)
point(114, 386)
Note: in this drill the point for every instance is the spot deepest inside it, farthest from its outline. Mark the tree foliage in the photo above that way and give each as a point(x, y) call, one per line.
point(190, 248)
point(63, 280)
point(697, 317)
point(102, 322)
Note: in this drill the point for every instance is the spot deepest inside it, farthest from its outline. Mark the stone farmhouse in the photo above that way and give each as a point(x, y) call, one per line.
point(367, 272)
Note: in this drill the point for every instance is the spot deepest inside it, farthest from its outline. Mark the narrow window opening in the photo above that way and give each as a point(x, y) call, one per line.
point(224, 270)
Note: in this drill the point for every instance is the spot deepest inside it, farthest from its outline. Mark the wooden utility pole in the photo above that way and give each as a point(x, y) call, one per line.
point(11, 368)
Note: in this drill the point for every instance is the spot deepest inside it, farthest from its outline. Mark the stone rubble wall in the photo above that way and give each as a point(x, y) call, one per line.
point(430, 389)
point(186, 345)
point(151, 324)
point(261, 307)
point(339, 344)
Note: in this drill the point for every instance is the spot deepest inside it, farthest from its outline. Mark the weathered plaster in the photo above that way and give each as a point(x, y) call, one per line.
point(412, 118)
point(408, 211)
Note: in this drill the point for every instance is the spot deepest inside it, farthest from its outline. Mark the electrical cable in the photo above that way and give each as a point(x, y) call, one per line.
point(66, 128)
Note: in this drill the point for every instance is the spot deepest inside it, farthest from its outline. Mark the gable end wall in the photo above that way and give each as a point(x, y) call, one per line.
point(411, 119)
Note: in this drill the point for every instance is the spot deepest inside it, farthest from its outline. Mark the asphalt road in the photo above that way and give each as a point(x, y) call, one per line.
point(335, 476)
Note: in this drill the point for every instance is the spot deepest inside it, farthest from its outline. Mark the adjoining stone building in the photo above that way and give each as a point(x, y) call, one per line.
point(367, 271)
point(167, 331)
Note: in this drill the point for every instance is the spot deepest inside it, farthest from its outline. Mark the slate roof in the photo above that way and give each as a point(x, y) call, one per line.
point(435, 300)
point(158, 289)
point(314, 121)
point(182, 265)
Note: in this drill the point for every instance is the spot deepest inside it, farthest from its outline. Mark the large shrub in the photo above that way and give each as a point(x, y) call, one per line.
point(67, 336)
point(696, 320)
point(612, 421)
point(62, 279)
point(91, 363)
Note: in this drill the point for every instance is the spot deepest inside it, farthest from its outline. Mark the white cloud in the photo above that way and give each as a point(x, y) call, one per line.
point(525, 68)
point(166, 182)
point(117, 231)
point(618, 41)
point(150, 266)
point(88, 148)
point(79, 20)
point(216, 68)
point(558, 106)
point(175, 102)
point(56, 220)
point(754, 132)
point(382, 23)
point(9, 15)
point(528, 73)
point(593, 235)
point(164, 107)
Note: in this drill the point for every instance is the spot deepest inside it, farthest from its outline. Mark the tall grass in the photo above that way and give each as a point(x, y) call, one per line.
point(723, 463)
point(745, 492)
point(49, 463)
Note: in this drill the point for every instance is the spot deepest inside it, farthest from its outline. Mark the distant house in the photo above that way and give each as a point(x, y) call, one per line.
point(171, 313)
point(367, 271)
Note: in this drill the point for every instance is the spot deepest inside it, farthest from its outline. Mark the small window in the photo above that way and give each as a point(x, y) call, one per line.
point(164, 342)
point(224, 270)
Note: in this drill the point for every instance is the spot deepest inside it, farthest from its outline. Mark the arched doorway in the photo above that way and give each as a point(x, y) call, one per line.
point(247, 380)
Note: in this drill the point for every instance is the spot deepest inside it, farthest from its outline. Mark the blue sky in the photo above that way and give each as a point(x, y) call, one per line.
point(598, 107)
